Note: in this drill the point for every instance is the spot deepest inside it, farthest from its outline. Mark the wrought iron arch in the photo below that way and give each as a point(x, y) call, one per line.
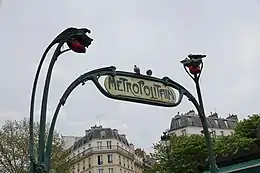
point(95, 75)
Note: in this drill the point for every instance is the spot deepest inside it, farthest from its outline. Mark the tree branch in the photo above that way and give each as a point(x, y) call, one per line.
point(6, 158)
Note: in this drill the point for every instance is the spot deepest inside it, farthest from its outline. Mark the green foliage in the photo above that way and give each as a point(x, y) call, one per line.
point(230, 145)
point(14, 150)
point(186, 149)
point(189, 153)
point(247, 127)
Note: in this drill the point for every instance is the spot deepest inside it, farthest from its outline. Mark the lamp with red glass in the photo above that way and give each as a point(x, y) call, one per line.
point(194, 64)
point(79, 42)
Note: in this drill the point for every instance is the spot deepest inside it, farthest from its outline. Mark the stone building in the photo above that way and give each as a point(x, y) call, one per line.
point(189, 123)
point(104, 150)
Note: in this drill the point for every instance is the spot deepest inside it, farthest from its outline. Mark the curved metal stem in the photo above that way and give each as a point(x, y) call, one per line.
point(80, 80)
point(201, 112)
point(61, 38)
point(44, 103)
point(188, 72)
point(32, 103)
point(50, 137)
point(201, 68)
point(31, 121)
point(212, 160)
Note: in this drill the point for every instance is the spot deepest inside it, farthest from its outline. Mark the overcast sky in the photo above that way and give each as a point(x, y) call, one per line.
point(149, 33)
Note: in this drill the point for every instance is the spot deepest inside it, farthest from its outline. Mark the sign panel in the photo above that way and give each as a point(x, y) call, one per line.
point(135, 88)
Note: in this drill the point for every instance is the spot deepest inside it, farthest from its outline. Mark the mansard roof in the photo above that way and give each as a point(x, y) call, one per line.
point(98, 132)
point(192, 119)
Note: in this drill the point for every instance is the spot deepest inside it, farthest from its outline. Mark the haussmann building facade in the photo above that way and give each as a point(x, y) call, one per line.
point(104, 150)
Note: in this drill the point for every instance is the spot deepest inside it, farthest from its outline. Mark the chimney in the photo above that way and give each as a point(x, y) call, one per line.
point(132, 146)
point(213, 115)
point(192, 113)
point(139, 152)
point(87, 131)
point(232, 117)
point(177, 116)
point(115, 130)
point(93, 127)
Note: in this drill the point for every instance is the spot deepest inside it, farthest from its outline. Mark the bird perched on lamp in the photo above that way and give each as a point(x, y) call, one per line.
point(193, 63)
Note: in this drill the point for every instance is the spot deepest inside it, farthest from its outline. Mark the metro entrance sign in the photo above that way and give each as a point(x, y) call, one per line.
point(131, 87)
point(119, 85)
point(135, 89)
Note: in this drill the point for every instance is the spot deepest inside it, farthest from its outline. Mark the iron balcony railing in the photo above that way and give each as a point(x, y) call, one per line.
point(101, 150)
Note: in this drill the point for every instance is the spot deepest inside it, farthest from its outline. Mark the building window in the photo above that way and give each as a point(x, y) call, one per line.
point(78, 167)
point(103, 134)
point(99, 145)
point(222, 133)
point(184, 132)
point(109, 158)
point(119, 157)
point(124, 161)
point(73, 168)
point(100, 170)
point(110, 170)
point(89, 145)
point(83, 164)
point(109, 145)
point(89, 162)
point(128, 163)
point(100, 159)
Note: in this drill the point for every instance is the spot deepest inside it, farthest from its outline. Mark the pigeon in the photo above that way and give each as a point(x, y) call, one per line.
point(136, 69)
point(149, 72)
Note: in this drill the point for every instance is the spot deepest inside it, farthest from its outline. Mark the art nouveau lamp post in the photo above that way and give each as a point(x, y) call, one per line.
point(193, 65)
point(77, 41)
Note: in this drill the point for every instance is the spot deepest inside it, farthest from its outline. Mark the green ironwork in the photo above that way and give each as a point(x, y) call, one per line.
point(95, 75)
point(42, 164)
point(195, 65)
point(44, 156)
